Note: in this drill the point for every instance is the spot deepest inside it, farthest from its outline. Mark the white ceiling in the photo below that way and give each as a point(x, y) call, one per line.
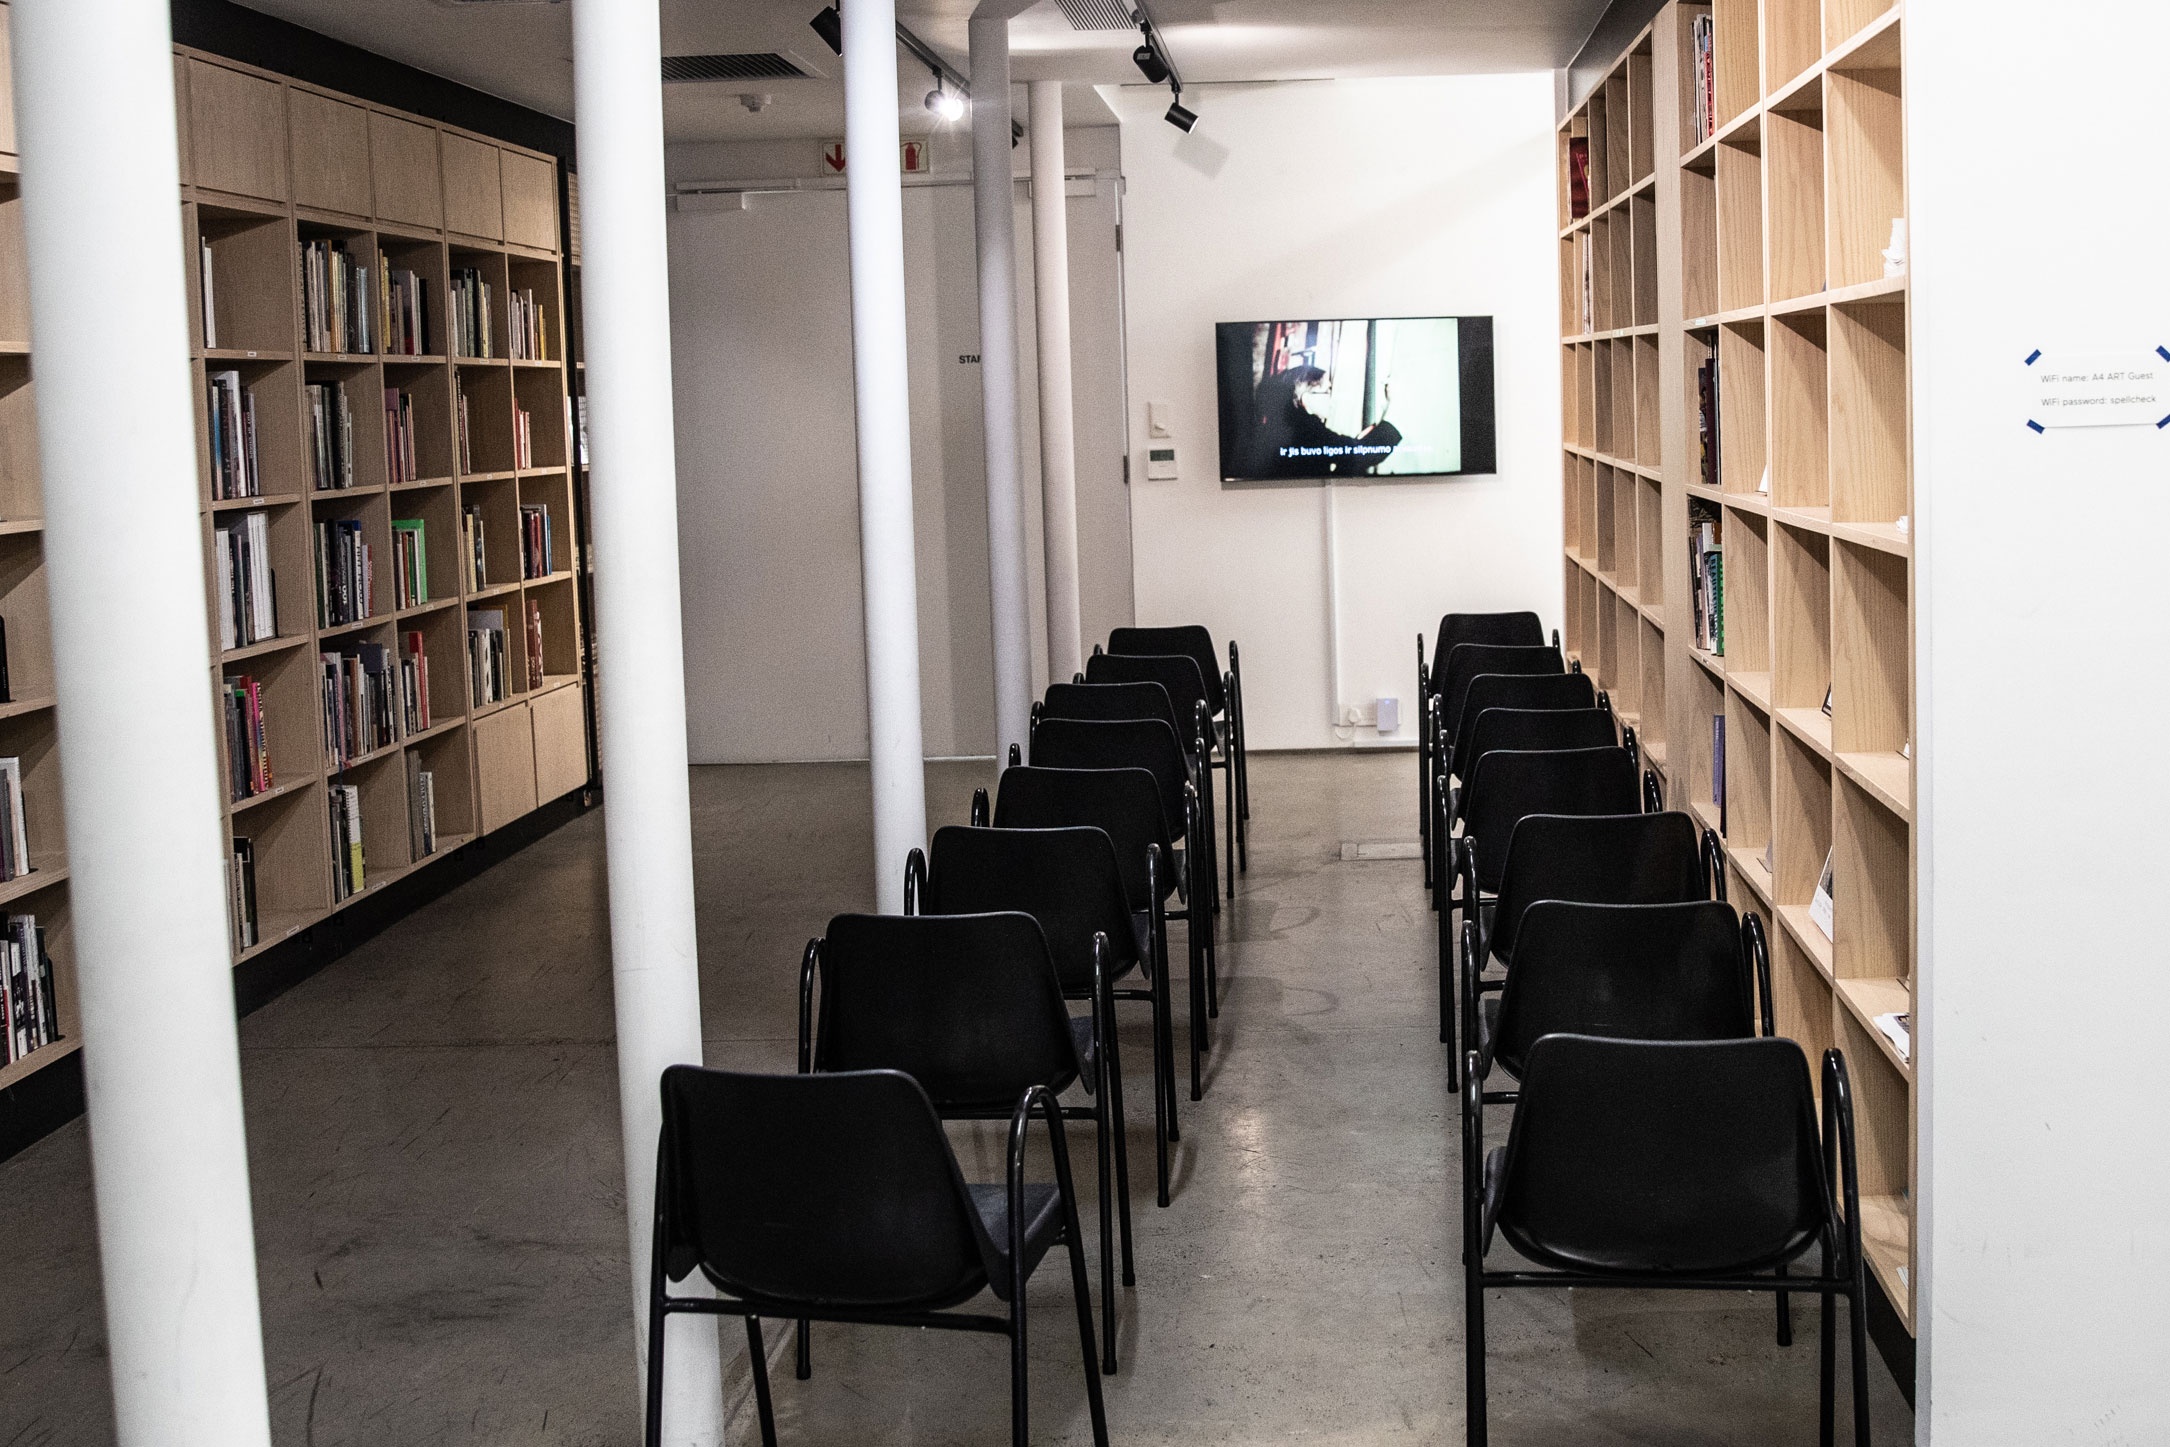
point(523, 52)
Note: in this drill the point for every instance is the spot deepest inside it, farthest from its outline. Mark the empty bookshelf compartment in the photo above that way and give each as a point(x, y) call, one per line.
point(1871, 864)
point(1607, 663)
point(1867, 161)
point(1623, 399)
point(1607, 523)
point(1742, 448)
point(1871, 717)
point(1882, 1131)
point(1704, 717)
point(1643, 233)
point(26, 643)
point(1619, 133)
point(1801, 608)
point(1601, 439)
point(1651, 703)
point(1748, 783)
point(1747, 600)
point(1739, 82)
point(1800, 442)
point(1801, 998)
point(14, 271)
point(1699, 238)
point(1625, 487)
point(1868, 413)
point(1575, 583)
point(1845, 19)
point(1642, 119)
point(1792, 40)
point(1586, 396)
point(553, 603)
point(1650, 544)
point(1600, 280)
point(1571, 468)
point(1740, 218)
point(1649, 432)
point(1793, 159)
point(1801, 825)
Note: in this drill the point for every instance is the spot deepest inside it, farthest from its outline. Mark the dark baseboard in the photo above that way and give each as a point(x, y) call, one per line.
point(1893, 1342)
point(35, 1107)
point(221, 27)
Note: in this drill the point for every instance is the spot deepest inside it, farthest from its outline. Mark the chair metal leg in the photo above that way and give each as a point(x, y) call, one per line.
point(1104, 1149)
point(1093, 1398)
point(1020, 1429)
point(1473, 1330)
point(1857, 1324)
point(1826, 1393)
point(1197, 1005)
point(1122, 1154)
point(1785, 1315)
point(1230, 825)
point(757, 1354)
point(1164, 1054)
point(652, 1429)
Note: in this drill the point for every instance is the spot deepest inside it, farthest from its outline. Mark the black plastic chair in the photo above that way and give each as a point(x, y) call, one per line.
point(1664, 858)
point(1108, 702)
point(1224, 694)
point(1525, 690)
point(971, 1007)
point(1070, 879)
point(838, 1198)
point(1505, 787)
point(1179, 674)
point(1125, 805)
point(1681, 1165)
point(1440, 710)
point(1528, 730)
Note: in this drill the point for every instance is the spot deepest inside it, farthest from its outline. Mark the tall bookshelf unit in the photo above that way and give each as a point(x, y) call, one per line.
point(1761, 244)
point(269, 165)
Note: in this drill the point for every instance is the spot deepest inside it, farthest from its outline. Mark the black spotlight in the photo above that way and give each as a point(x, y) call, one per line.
point(829, 25)
point(1181, 118)
point(1149, 61)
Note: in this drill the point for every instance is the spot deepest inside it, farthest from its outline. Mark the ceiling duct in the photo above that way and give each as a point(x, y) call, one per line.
point(762, 66)
point(1098, 14)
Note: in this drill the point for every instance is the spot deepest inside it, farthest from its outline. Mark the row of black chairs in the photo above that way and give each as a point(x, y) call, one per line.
point(833, 1195)
point(1663, 1136)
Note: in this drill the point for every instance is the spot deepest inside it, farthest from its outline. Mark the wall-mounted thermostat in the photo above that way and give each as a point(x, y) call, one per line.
point(1160, 462)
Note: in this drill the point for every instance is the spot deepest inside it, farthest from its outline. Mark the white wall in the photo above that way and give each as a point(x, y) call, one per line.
point(1339, 199)
point(2043, 607)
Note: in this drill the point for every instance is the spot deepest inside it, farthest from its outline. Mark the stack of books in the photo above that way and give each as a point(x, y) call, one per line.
point(1703, 77)
point(247, 593)
point(399, 461)
point(466, 436)
point(406, 312)
point(414, 683)
point(534, 643)
point(523, 439)
point(1578, 177)
point(29, 1010)
point(470, 313)
point(1706, 575)
point(14, 831)
point(534, 540)
point(234, 471)
point(241, 880)
point(530, 332)
point(345, 590)
point(361, 715)
point(486, 656)
point(1706, 421)
point(331, 437)
point(348, 875)
point(337, 305)
point(421, 808)
point(475, 551)
point(410, 563)
point(248, 748)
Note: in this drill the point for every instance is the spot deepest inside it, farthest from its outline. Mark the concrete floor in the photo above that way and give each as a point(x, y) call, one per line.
point(432, 1126)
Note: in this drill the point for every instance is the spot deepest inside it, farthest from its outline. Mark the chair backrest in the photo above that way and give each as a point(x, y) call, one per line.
point(1678, 1157)
point(1110, 701)
point(1192, 640)
point(966, 1004)
point(1173, 671)
point(1513, 630)
point(1469, 660)
point(1596, 859)
point(1531, 729)
point(1508, 786)
point(831, 1189)
point(1062, 743)
point(1122, 803)
point(1627, 972)
point(1521, 690)
point(1067, 879)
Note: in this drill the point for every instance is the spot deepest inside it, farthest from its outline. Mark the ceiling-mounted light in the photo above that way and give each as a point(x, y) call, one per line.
point(829, 25)
point(1180, 117)
point(1149, 62)
point(946, 106)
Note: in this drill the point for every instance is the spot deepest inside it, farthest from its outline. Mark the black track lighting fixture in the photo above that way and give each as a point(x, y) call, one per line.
point(1180, 116)
point(829, 25)
point(1149, 62)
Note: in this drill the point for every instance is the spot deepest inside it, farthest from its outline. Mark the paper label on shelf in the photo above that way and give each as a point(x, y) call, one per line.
point(2099, 389)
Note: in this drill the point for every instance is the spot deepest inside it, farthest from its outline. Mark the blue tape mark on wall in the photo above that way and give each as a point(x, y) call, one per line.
point(2034, 424)
point(2163, 352)
point(2162, 424)
point(2034, 356)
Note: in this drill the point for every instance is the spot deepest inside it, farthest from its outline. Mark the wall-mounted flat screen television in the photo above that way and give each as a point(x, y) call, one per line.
point(1382, 397)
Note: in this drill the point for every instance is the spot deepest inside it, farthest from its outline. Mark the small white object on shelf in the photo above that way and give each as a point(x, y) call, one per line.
point(1895, 253)
point(1898, 1028)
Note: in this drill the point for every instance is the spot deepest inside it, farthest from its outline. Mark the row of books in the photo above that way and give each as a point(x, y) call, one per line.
point(361, 706)
point(1706, 421)
point(338, 305)
point(1578, 177)
point(14, 825)
point(488, 660)
point(247, 584)
point(474, 548)
point(406, 311)
point(248, 743)
point(470, 313)
point(234, 470)
point(345, 585)
point(466, 438)
point(349, 876)
point(29, 1009)
point(534, 540)
point(523, 438)
point(1586, 281)
point(410, 563)
point(399, 463)
point(529, 327)
point(1703, 76)
point(241, 883)
point(1706, 575)
point(421, 808)
point(331, 437)
point(7, 690)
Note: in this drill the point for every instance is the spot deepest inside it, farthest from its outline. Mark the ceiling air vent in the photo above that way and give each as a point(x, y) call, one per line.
point(1098, 14)
point(766, 66)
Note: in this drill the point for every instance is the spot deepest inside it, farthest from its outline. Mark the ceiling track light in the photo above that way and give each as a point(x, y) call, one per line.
point(1180, 116)
point(946, 105)
point(1149, 63)
point(1153, 63)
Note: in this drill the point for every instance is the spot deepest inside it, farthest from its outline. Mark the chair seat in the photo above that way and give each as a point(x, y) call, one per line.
point(1043, 1226)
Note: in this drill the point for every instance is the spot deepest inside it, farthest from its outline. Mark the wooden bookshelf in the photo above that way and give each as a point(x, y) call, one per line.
point(1763, 252)
point(269, 165)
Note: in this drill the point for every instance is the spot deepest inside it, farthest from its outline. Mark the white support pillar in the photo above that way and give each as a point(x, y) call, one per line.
point(140, 777)
point(995, 226)
point(1058, 421)
point(889, 566)
point(647, 815)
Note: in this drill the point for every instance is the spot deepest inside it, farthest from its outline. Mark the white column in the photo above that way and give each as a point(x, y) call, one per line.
point(1058, 421)
point(641, 688)
point(995, 226)
point(140, 777)
point(889, 568)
